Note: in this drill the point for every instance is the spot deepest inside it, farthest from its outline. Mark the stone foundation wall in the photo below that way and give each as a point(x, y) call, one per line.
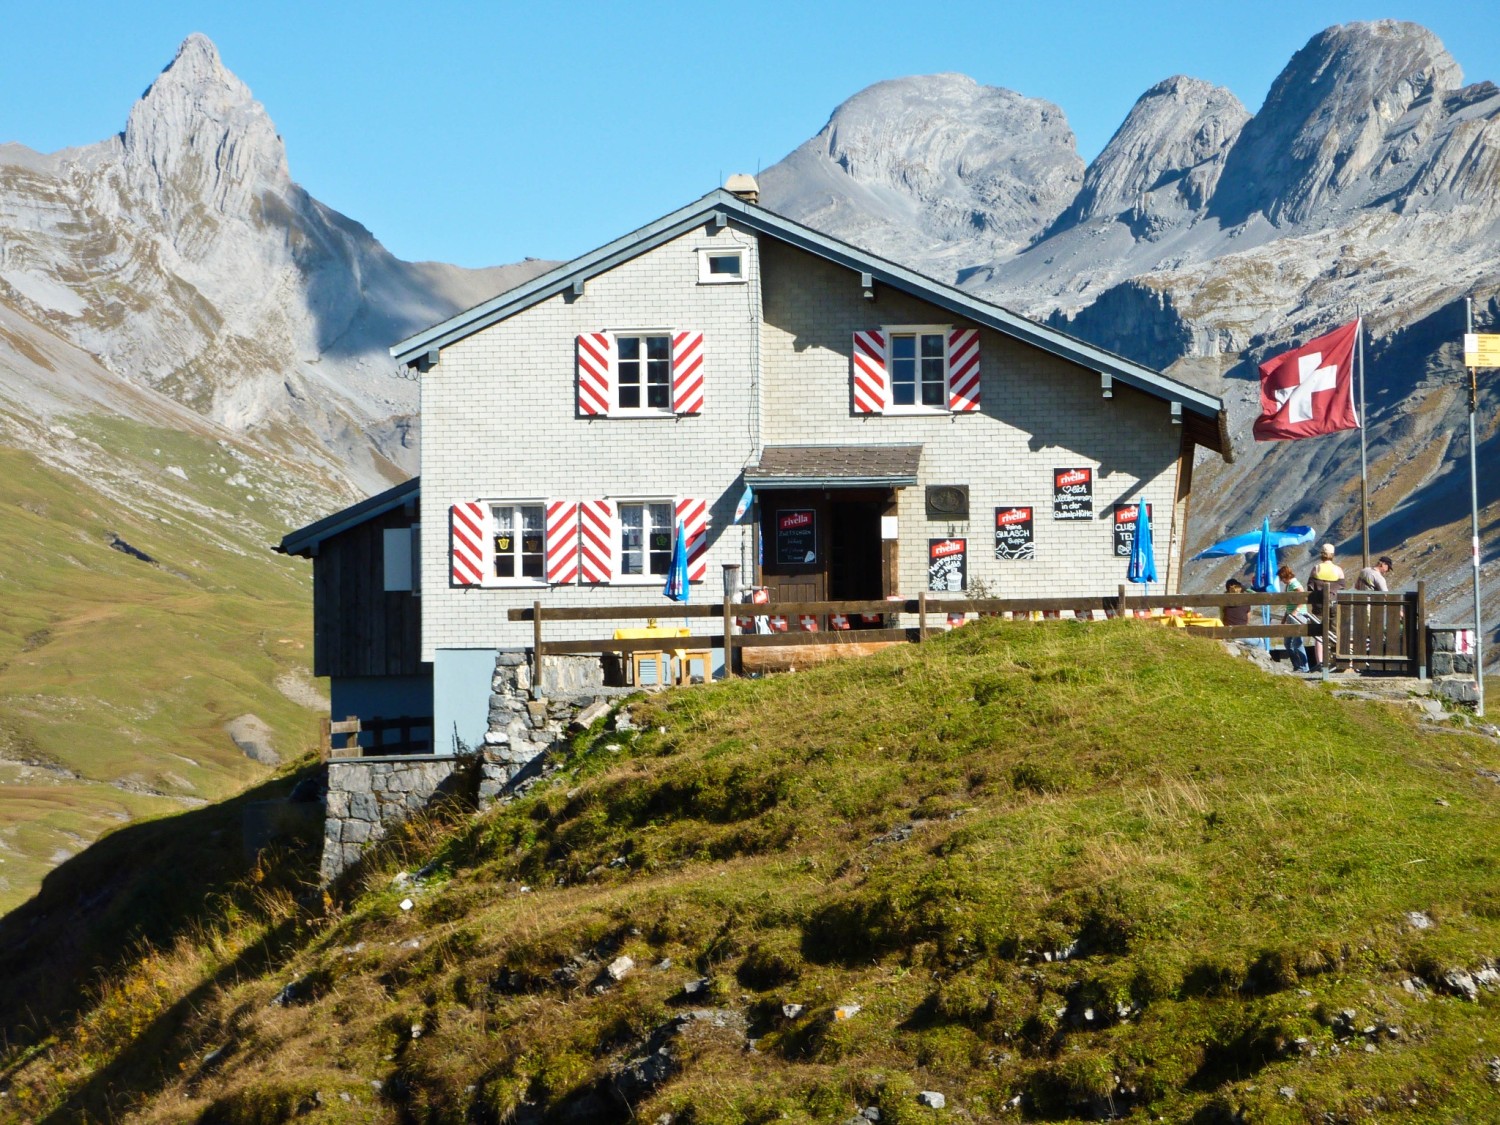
point(368, 795)
point(1451, 668)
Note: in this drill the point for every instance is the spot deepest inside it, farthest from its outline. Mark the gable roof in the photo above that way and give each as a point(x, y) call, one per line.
point(305, 541)
point(1203, 414)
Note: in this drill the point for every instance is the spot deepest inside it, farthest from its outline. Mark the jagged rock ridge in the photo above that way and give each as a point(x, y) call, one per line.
point(1202, 238)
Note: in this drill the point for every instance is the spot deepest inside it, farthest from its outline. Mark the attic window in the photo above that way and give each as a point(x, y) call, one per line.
point(721, 267)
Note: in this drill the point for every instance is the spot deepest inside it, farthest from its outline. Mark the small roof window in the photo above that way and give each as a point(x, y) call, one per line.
point(721, 267)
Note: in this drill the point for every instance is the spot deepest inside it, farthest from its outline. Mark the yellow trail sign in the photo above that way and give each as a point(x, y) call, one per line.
point(1481, 349)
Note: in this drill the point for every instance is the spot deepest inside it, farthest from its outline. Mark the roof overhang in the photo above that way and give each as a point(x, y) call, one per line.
point(835, 466)
point(572, 276)
point(305, 541)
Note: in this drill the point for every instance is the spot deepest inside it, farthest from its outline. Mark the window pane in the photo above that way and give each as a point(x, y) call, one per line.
point(932, 345)
point(932, 394)
point(505, 542)
point(630, 347)
point(903, 347)
point(658, 347)
point(724, 264)
point(631, 532)
point(661, 538)
point(659, 380)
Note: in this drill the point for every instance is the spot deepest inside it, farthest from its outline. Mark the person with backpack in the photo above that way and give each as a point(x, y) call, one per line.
point(1323, 586)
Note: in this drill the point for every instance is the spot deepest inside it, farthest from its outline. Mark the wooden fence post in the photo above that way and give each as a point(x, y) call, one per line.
point(1330, 607)
point(536, 650)
point(1120, 609)
point(728, 635)
point(921, 616)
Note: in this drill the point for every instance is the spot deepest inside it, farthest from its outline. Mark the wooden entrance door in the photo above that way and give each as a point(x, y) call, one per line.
point(825, 545)
point(794, 539)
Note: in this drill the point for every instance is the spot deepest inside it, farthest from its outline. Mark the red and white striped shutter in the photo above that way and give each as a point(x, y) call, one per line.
point(870, 379)
point(598, 535)
point(467, 540)
point(692, 513)
point(687, 373)
point(963, 369)
point(562, 542)
point(596, 372)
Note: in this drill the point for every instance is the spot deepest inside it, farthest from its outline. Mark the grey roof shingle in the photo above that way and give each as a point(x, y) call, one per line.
point(835, 466)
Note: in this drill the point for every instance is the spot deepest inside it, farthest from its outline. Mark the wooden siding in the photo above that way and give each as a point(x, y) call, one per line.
point(358, 628)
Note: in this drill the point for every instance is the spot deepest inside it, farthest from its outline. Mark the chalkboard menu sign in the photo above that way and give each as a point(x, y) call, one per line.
point(1125, 527)
point(947, 564)
point(796, 536)
point(1015, 533)
point(1073, 494)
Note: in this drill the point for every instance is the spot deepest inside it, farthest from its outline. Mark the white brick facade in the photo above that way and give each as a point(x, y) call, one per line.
point(500, 422)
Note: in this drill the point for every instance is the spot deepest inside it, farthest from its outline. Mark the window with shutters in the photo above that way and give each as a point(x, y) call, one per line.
point(643, 372)
point(646, 529)
point(520, 542)
point(915, 369)
point(918, 365)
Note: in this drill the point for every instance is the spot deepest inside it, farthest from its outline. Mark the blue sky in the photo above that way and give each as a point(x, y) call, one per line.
point(481, 133)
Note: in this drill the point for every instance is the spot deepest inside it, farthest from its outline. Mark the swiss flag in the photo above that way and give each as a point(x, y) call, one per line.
point(1309, 391)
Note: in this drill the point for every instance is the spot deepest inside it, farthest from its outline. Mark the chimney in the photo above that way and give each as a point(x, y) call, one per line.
point(743, 185)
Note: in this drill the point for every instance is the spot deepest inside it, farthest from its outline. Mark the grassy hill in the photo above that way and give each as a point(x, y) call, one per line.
point(119, 674)
point(1050, 873)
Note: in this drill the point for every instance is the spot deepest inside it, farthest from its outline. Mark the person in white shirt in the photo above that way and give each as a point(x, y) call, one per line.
point(1373, 577)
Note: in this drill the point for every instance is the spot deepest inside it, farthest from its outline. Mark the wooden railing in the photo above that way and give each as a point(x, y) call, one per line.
point(1385, 630)
point(352, 727)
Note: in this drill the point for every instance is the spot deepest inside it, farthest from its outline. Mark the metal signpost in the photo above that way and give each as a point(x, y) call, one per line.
point(1480, 350)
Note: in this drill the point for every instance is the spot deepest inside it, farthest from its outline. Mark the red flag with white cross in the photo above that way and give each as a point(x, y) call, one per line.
point(1309, 391)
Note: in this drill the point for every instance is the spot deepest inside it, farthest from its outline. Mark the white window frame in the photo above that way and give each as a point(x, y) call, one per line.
point(942, 331)
point(492, 531)
point(615, 409)
point(706, 276)
point(647, 579)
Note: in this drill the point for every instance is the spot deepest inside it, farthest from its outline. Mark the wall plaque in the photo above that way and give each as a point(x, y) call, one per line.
point(947, 501)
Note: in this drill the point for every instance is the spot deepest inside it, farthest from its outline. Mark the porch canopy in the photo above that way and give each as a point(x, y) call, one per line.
point(835, 466)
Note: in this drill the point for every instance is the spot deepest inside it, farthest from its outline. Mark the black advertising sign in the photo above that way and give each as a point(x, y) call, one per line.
point(1073, 494)
point(947, 564)
point(1125, 515)
point(1015, 533)
point(796, 536)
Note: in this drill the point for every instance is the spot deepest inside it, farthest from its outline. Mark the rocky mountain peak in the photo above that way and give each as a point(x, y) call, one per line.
point(932, 159)
point(198, 136)
point(1331, 116)
point(1167, 155)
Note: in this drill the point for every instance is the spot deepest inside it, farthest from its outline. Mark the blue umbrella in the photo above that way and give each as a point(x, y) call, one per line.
point(677, 586)
point(1142, 557)
point(1249, 543)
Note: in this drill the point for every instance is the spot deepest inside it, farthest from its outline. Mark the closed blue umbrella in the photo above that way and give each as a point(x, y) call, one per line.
point(1265, 560)
point(1142, 556)
point(677, 586)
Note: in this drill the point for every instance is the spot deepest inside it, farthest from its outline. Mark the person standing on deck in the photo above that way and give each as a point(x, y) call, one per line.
point(1325, 581)
point(1297, 615)
point(1373, 577)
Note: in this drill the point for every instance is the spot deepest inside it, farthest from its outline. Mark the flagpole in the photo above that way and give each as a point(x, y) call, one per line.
point(1474, 507)
point(1364, 420)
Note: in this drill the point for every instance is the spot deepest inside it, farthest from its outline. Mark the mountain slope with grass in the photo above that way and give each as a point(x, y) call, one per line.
point(1049, 872)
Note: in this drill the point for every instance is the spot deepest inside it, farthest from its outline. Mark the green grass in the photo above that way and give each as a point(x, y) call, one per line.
point(1227, 860)
point(123, 673)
